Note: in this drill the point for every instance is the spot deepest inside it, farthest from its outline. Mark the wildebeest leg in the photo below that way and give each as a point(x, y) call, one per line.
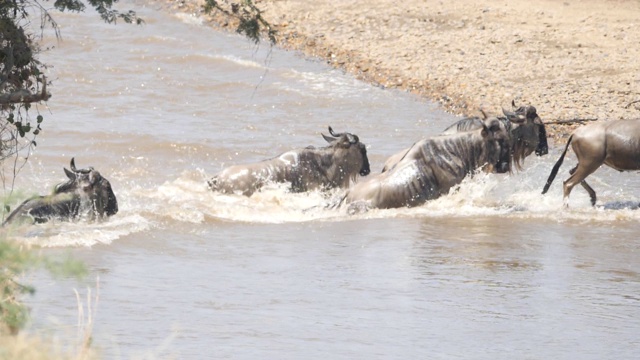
point(592, 193)
point(358, 207)
point(578, 174)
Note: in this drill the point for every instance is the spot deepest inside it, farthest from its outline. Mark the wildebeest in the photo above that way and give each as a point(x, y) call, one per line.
point(613, 143)
point(332, 166)
point(431, 167)
point(527, 134)
point(85, 194)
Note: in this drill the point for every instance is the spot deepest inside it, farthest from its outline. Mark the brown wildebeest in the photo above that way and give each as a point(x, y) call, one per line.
point(430, 168)
point(85, 194)
point(613, 143)
point(305, 169)
point(527, 134)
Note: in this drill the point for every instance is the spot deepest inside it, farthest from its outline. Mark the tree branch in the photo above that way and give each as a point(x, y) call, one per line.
point(570, 121)
point(631, 103)
point(24, 96)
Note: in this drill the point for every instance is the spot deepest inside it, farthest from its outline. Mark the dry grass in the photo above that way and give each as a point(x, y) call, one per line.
point(37, 347)
point(85, 325)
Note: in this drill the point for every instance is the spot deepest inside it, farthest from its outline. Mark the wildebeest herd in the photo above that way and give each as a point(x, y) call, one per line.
point(426, 170)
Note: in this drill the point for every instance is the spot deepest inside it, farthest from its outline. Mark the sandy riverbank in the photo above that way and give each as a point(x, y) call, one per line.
point(573, 59)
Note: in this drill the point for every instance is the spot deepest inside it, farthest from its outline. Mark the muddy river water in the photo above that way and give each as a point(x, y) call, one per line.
point(492, 271)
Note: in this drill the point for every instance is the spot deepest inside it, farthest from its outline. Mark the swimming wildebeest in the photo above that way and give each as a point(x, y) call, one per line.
point(527, 134)
point(335, 165)
point(431, 167)
point(527, 131)
point(614, 143)
point(85, 194)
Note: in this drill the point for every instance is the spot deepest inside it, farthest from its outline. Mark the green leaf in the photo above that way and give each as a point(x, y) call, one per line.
point(39, 118)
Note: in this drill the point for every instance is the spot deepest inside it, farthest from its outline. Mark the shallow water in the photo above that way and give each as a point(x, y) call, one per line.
point(492, 271)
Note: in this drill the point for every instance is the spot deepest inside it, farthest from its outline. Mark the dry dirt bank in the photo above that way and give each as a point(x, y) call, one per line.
point(571, 59)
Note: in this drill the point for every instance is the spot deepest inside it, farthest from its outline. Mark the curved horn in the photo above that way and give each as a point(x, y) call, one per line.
point(508, 113)
point(353, 139)
point(513, 117)
point(81, 171)
point(70, 174)
point(513, 103)
point(328, 139)
point(334, 133)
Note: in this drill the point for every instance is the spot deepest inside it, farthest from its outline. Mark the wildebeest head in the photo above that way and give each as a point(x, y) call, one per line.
point(347, 141)
point(89, 183)
point(495, 130)
point(528, 132)
point(85, 193)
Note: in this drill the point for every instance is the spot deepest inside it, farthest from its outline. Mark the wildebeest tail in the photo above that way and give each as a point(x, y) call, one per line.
point(14, 214)
point(556, 167)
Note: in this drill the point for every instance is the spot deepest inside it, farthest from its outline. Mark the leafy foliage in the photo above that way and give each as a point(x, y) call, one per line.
point(22, 84)
point(16, 260)
point(22, 81)
point(250, 19)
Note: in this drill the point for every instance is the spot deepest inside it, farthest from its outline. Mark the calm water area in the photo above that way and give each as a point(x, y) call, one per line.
point(493, 271)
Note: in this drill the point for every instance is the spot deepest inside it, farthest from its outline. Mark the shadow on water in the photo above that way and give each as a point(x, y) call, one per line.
point(620, 205)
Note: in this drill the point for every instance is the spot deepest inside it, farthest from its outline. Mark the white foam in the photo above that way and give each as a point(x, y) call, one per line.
point(81, 233)
point(190, 19)
point(188, 200)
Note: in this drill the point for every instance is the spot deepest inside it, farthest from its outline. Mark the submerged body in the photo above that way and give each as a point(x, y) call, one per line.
point(613, 143)
point(431, 167)
point(85, 194)
point(333, 166)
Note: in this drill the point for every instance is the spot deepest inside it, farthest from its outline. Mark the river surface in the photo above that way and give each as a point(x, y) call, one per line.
point(493, 271)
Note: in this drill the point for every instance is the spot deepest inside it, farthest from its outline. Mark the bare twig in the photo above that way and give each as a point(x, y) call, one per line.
point(25, 96)
point(631, 103)
point(570, 121)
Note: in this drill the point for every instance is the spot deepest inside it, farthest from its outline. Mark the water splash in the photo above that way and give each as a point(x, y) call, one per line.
point(187, 200)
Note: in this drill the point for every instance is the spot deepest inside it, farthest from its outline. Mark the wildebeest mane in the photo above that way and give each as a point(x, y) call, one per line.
point(447, 153)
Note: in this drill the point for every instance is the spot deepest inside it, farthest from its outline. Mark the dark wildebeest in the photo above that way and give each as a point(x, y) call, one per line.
point(335, 165)
point(526, 130)
point(430, 168)
point(613, 143)
point(85, 194)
